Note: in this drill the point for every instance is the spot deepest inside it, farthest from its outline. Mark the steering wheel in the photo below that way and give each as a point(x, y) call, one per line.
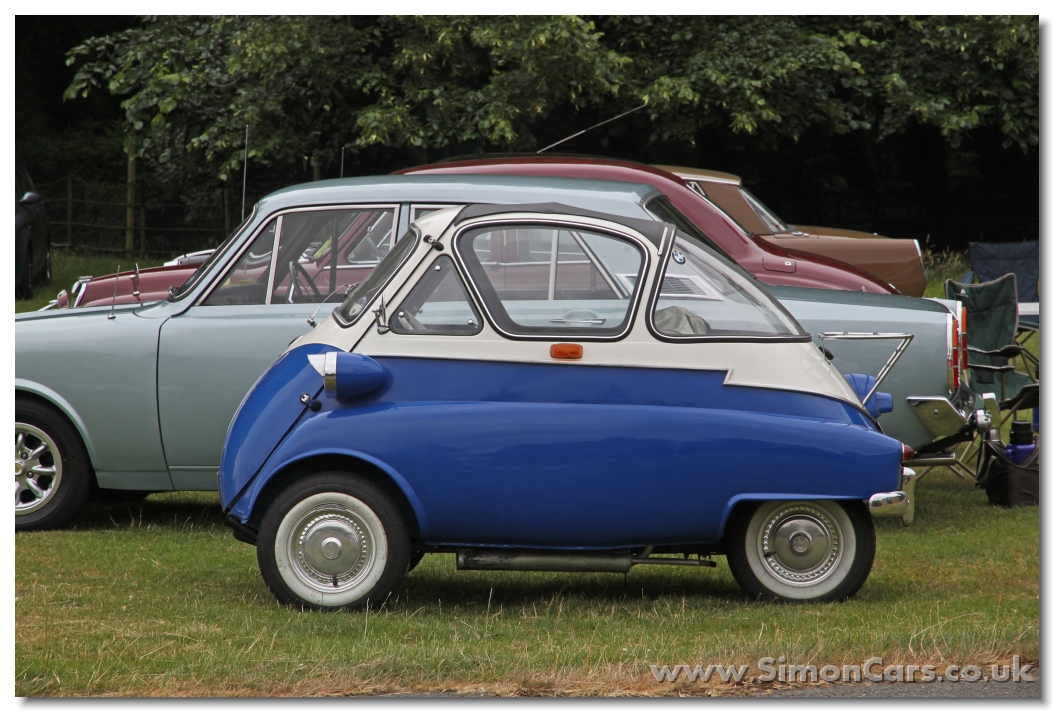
point(294, 284)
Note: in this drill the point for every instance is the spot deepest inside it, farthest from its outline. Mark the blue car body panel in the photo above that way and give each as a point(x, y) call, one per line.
point(270, 408)
point(518, 454)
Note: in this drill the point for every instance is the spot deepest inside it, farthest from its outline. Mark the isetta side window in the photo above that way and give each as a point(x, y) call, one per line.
point(438, 304)
point(553, 279)
point(704, 296)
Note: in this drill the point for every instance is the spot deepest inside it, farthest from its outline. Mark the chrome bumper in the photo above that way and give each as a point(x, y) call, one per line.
point(897, 504)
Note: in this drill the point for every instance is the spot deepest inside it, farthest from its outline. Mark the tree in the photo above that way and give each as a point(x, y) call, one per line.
point(310, 86)
point(780, 75)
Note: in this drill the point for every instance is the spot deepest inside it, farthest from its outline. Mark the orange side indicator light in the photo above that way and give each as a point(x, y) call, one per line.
point(566, 351)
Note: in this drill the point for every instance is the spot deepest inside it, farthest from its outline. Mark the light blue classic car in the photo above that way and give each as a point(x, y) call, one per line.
point(576, 411)
point(138, 397)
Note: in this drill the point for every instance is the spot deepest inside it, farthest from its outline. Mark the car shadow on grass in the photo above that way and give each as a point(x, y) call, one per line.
point(163, 510)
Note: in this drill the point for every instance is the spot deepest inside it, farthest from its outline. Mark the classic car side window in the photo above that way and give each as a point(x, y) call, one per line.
point(246, 281)
point(438, 304)
point(702, 295)
point(553, 280)
point(306, 270)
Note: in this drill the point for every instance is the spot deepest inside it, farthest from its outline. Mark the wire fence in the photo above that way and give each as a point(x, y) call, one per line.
point(112, 218)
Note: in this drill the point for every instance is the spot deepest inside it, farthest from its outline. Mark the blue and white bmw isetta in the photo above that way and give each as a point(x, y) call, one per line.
point(545, 388)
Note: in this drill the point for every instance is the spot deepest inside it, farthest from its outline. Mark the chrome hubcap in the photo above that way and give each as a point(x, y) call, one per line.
point(331, 548)
point(801, 543)
point(38, 468)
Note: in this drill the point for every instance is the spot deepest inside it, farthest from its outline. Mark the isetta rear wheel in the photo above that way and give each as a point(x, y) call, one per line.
point(801, 551)
point(333, 540)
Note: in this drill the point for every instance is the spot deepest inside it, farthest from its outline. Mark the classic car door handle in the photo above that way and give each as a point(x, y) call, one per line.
point(578, 321)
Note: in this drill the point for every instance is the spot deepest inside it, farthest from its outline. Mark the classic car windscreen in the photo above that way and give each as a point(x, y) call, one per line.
point(553, 280)
point(356, 302)
point(212, 259)
point(770, 218)
point(701, 295)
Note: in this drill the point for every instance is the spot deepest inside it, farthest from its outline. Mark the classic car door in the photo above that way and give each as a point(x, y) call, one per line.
point(210, 355)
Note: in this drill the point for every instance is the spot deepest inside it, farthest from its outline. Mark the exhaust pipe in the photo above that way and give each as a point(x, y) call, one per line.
point(573, 561)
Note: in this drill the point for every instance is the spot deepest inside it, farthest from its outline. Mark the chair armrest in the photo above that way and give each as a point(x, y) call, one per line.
point(1008, 351)
point(997, 369)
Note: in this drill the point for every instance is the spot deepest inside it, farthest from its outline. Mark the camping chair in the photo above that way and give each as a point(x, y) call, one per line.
point(992, 322)
point(991, 260)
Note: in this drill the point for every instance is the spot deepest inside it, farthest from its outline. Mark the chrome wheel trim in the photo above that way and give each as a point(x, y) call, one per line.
point(331, 549)
point(800, 550)
point(38, 469)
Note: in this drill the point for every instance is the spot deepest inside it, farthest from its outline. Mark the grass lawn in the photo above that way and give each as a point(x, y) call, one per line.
point(157, 598)
point(66, 267)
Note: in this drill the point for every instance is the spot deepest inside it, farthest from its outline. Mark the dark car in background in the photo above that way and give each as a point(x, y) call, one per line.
point(32, 240)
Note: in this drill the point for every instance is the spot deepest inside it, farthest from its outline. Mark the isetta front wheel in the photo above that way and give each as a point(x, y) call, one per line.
point(802, 551)
point(332, 541)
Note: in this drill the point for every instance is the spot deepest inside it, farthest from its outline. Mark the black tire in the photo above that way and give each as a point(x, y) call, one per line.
point(806, 551)
point(368, 543)
point(66, 490)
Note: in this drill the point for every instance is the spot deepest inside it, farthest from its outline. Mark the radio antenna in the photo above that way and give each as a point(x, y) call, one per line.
point(341, 161)
point(111, 315)
point(245, 168)
point(605, 121)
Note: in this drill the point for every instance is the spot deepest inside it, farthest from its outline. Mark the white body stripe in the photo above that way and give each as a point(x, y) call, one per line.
point(767, 364)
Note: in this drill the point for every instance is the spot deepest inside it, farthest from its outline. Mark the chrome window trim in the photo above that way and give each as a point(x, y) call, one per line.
point(635, 297)
point(274, 259)
point(274, 251)
point(339, 318)
point(653, 300)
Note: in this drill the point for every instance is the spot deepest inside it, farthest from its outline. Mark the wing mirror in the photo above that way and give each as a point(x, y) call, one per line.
point(31, 198)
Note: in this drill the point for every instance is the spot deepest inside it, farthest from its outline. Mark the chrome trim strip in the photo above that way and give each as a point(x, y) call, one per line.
point(890, 363)
point(329, 373)
point(273, 264)
point(571, 224)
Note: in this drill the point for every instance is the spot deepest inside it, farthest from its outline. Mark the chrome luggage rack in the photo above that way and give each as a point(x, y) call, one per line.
point(905, 339)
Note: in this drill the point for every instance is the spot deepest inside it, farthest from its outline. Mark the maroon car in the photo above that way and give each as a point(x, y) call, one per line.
point(770, 263)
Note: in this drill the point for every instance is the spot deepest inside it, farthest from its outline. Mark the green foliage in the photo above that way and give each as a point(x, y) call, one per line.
point(308, 86)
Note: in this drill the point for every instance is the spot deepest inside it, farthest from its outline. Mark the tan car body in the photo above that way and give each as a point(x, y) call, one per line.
point(897, 261)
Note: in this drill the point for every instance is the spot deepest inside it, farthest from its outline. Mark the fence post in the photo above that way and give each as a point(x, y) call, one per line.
point(129, 220)
point(69, 210)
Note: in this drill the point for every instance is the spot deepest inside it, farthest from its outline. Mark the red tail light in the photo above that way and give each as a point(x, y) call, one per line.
point(906, 452)
point(964, 358)
point(954, 358)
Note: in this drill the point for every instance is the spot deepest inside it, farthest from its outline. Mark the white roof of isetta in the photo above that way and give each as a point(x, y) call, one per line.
point(785, 365)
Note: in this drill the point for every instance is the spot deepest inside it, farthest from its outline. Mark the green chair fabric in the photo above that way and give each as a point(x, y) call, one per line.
point(991, 323)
